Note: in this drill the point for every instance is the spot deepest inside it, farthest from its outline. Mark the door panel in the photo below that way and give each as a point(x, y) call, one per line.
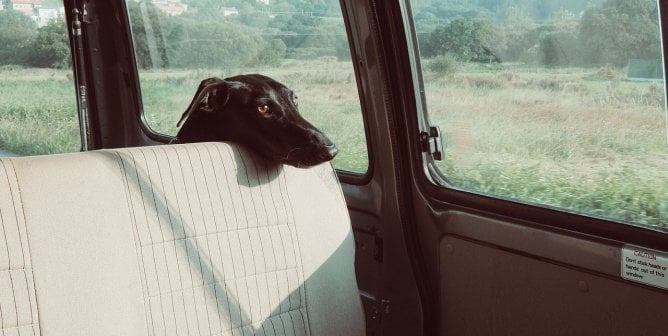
point(489, 290)
point(515, 242)
point(505, 276)
point(368, 259)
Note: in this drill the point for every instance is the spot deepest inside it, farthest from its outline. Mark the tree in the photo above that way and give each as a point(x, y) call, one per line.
point(619, 31)
point(272, 53)
point(213, 44)
point(425, 22)
point(51, 46)
point(302, 31)
point(518, 26)
point(559, 48)
point(148, 23)
point(16, 36)
point(308, 36)
point(559, 41)
point(468, 39)
point(450, 9)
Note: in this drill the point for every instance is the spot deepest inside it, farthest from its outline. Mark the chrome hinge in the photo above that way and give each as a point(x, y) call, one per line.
point(432, 142)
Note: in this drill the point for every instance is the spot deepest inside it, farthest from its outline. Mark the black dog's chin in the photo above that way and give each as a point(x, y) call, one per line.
point(304, 158)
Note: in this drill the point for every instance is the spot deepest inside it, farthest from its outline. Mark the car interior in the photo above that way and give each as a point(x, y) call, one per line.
point(501, 169)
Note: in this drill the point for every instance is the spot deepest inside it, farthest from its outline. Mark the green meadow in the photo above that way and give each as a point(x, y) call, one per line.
point(585, 140)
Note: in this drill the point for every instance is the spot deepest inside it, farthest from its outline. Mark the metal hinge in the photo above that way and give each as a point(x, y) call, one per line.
point(432, 142)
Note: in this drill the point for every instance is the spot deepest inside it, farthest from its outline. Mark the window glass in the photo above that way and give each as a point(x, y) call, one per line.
point(38, 112)
point(556, 103)
point(300, 44)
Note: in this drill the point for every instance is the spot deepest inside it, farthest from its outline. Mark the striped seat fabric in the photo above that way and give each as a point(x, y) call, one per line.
point(194, 239)
point(18, 308)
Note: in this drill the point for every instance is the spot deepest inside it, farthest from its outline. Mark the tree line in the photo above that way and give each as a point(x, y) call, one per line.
point(607, 34)
point(23, 43)
point(544, 32)
point(201, 37)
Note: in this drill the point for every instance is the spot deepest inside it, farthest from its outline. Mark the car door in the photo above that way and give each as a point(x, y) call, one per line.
point(545, 212)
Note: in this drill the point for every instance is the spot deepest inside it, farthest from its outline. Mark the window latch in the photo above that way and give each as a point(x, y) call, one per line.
point(432, 142)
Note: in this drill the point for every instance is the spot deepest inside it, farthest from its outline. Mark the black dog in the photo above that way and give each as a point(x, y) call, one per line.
point(258, 112)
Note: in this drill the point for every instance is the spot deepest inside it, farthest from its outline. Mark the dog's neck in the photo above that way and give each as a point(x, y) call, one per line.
point(196, 130)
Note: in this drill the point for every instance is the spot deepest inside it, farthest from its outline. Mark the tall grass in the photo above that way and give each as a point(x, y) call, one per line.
point(569, 140)
point(37, 112)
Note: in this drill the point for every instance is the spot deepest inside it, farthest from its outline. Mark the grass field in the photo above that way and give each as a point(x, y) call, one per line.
point(585, 140)
point(37, 111)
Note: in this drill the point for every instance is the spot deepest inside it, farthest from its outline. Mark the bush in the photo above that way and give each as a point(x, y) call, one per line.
point(559, 49)
point(212, 44)
point(272, 54)
point(16, 36)
point(469, 39)
point(51, 48)
point(443, 65)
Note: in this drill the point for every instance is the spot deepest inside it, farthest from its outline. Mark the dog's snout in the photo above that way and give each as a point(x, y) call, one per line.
point(320, 146)
point(316, 137)
point(332, 151)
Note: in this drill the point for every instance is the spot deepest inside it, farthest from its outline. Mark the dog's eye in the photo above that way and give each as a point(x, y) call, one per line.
point(295, 100)
point(264, 108)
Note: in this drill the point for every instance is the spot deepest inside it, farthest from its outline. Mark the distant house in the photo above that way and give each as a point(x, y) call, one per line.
point(26, 7)
point(227, 11)
point(44, 15)
point(171, 7)
point(35, 10)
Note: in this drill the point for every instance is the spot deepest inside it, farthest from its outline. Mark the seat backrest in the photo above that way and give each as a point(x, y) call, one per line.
point(195, 239)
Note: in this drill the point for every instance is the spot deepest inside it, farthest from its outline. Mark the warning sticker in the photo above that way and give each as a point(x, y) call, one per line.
point(646, 266)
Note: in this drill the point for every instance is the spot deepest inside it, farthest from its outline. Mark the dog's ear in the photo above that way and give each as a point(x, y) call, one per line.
point(211, 93)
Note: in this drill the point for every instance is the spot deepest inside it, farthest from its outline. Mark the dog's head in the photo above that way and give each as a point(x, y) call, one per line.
point(258, 112)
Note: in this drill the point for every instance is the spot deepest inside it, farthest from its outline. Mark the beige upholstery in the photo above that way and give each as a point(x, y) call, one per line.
point(18, 309)
point(196, 239)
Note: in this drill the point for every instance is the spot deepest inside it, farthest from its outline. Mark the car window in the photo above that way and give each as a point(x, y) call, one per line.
point(302, 45)
point(38, 112)
point(558, 104)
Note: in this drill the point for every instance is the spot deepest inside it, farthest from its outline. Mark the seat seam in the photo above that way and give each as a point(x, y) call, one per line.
point(34, 309)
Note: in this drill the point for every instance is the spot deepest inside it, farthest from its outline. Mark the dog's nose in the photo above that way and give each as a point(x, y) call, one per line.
point(332, 151)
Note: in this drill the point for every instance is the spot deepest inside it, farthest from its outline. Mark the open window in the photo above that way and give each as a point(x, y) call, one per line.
point(178, 44)
point(561, 106)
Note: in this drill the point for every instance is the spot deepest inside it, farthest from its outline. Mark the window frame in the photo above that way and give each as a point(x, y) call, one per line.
point(441, 194)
